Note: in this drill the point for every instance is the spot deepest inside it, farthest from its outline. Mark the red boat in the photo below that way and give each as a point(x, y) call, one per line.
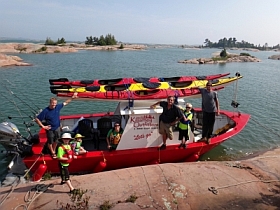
point(140, 140)
point(121, 81)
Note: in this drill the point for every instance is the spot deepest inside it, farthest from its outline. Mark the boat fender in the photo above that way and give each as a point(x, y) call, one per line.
point(194, 157)
point(41, 170)
point(154, 162)
point(100, 167)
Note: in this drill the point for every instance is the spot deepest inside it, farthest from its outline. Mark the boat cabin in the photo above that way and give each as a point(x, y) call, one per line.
point(139, 124)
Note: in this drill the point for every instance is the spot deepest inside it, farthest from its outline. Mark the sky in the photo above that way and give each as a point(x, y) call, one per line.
point(182, 22)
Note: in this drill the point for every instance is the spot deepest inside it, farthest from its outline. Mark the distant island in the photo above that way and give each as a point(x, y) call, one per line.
point(222, 57)
point(8, 60)
point(233, 43)
point(109, 43)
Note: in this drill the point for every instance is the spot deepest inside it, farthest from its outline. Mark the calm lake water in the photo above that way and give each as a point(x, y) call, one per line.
point(258, 91)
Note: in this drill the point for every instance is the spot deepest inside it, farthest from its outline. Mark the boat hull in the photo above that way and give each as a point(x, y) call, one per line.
point(103, 160)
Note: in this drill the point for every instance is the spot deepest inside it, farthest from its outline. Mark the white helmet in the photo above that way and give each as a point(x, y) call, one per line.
point(66, 136)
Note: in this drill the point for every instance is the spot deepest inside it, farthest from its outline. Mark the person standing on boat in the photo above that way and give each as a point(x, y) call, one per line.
point(65, 156)
point(184, 125)
point(51, 118)
point(114, 136)
point(210, 108)
point(170, 115)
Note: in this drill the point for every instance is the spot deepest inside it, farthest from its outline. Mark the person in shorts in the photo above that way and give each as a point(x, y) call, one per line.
point(65, 156)
point(49, 119)
point(170, 116)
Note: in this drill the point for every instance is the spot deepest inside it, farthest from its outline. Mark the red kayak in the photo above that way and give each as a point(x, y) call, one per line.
point(121, 81)
point(152, 94)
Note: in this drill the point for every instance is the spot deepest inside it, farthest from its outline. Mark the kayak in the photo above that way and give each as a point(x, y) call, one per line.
point(153, 94)
point(123, 81)
point(146, 86)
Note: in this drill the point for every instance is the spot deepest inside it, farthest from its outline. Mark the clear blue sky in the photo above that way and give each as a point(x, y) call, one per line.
point(143, 21)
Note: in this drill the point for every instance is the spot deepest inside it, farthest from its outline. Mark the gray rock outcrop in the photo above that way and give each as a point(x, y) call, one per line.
point(274, 57)
point(231, 58)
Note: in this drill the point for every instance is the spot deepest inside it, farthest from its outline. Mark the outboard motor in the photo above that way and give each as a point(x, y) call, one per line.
point(8, 131)
point(13, 141)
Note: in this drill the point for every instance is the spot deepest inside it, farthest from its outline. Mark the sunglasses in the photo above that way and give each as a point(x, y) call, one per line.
point(188, 107)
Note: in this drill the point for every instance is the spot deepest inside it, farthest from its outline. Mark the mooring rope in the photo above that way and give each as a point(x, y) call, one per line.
point(265, 127)
point(39, 189)
point(14, 186)
point(214, 190)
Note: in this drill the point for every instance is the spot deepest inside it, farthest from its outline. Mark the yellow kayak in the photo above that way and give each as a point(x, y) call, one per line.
point(146, 86)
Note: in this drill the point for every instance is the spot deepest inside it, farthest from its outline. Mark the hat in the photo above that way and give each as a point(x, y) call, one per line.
point(66, 136)
point(78, 136)
point(116, 124)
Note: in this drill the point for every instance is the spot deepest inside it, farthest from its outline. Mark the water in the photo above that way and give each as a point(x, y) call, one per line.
point(258, 91)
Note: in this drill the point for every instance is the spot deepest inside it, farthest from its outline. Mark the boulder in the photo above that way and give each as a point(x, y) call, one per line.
point(274, 57)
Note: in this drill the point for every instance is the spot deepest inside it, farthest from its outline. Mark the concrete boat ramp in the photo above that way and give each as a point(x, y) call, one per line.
point(247, 184)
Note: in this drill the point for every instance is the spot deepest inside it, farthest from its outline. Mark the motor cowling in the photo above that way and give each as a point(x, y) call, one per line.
point(8, 130)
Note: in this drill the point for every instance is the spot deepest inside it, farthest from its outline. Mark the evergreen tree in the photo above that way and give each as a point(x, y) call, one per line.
point(223, 53)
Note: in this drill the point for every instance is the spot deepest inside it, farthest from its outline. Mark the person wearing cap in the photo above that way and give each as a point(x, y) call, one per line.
point(51, 118)
point(65, 156)
point(210, 108)
point(184, 125)
point(76, 145)
point(114, 136)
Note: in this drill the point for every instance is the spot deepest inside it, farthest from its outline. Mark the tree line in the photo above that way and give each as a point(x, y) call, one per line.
point(232, 42)
point(90, 40)
point(107, 40)
point(49, 41)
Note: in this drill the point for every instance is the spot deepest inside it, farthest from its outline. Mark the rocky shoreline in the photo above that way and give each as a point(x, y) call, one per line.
point(12, 48)
point(246, 184)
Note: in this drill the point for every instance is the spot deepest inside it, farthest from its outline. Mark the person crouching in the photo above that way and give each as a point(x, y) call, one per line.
point(65, 156)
